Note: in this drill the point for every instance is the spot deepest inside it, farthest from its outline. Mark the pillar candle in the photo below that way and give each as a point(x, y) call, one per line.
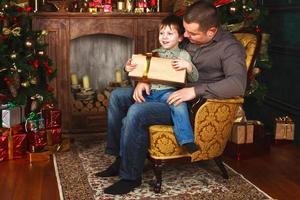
point(74, 79)
point(85, 82)
point(120, 5)
point(118, 76)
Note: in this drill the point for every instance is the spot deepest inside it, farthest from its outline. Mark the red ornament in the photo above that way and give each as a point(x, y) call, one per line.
point(50, 88)
point(36, 63)
point(28, 9)
point(49, 70)
point(19, 9)
point(219, 3)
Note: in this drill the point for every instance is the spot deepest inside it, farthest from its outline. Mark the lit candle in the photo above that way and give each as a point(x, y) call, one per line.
point(74, 79)
point(35, 5)
point(118, 76)
point(120, 5)
point(85, 82)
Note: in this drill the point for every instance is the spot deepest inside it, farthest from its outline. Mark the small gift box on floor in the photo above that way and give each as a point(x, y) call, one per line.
point(248, 139)
point(37, 141)
point(285, 128)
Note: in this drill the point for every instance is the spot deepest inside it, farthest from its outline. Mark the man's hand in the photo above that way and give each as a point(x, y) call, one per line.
point(138, 91)
point(184, 94)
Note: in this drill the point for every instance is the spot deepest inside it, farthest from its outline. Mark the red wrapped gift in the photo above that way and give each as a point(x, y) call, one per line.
point(53, 136)
point(37, 140)
point(19, 145)
point(52, 117)
point(3, 148)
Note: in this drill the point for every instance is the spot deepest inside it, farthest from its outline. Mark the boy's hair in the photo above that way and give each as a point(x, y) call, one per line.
point(174, 21)
point(203, 13)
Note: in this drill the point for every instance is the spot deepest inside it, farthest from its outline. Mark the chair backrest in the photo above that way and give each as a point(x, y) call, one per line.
point(251, 41)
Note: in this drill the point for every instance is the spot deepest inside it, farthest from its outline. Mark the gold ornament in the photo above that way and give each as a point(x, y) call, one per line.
point(44, 33)
point(33, 81)
point(13, 55)
point(28, 44)
point(15, 31)
point(41, 52)
point(25, 84)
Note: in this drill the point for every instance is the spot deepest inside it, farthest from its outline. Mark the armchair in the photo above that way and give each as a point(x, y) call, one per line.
point(212, 120)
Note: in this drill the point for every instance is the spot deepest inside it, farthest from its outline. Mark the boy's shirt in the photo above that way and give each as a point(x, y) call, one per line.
point(172, 54)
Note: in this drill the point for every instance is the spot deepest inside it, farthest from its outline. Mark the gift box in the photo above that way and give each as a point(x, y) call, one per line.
point(157, 70)
point(12, 146)
point(12, 115)
point(39, 156)
point(242, 132)
point(53, 136)
point(3, 148)
point(37, 141)
point(285, 128)
point(52, 117)
point(260, 145)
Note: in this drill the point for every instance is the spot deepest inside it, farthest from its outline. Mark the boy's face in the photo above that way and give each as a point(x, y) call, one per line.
point(169, 37)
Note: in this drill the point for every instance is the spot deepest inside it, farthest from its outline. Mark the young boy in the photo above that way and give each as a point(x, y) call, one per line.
point(170, 34)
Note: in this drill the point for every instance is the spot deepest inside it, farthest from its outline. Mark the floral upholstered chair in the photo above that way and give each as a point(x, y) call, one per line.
point(212, 119)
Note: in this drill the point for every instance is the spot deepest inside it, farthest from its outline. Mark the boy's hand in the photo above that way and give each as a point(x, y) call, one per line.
point(138, 91)
point(129, 66)
point(180, 64)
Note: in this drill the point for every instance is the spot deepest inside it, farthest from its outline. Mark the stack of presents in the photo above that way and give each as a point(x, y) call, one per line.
point(249, 138)
point(35, 136)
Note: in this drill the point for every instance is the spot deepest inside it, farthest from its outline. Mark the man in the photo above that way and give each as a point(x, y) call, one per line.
point(220, 60)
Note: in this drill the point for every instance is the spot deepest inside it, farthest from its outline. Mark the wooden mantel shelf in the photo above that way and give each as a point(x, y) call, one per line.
point(63, 27)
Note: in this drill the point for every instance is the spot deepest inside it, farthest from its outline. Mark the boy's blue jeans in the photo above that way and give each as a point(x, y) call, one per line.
point(180, 115)
point(127, 133)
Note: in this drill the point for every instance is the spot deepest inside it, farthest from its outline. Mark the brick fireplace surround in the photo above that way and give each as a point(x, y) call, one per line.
point(64, 27)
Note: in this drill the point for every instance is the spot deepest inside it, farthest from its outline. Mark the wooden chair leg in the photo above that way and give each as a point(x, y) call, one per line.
point(157, 167)
point(219, 162)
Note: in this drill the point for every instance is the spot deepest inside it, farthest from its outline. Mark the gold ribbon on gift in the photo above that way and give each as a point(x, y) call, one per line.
point(14, 31)
point(10, 145)
point(147, 64)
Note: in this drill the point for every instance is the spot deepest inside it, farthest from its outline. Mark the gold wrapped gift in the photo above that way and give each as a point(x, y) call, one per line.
point(242, 132)
point(285, 128)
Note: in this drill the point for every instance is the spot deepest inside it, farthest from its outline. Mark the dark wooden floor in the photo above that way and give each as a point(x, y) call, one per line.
point(276, 173)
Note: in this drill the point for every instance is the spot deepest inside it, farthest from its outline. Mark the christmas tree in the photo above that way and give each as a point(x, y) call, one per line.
point(25, 69)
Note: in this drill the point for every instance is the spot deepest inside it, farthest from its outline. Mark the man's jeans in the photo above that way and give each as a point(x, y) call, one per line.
point(180, 115)
point(128, 134)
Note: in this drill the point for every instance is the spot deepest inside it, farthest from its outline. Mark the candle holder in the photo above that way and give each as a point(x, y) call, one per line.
point(61, 5)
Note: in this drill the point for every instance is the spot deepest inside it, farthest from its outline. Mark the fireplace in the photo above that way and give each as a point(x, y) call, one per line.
point(70, 34)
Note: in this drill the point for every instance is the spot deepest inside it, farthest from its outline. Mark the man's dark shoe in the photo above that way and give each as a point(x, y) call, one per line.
point(191, 147)
point(123, 186)
point(112, 170)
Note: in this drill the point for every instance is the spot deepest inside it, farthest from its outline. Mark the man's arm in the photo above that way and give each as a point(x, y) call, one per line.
point(235, 75)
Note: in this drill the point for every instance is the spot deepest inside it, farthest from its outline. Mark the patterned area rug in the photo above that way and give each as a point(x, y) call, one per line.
point(202, 180)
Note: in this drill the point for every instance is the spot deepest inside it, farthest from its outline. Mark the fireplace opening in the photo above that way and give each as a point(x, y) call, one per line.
point(96, 64)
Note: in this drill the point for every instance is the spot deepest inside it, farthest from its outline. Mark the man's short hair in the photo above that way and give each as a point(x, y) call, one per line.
point(203, 13)
point(174, 21)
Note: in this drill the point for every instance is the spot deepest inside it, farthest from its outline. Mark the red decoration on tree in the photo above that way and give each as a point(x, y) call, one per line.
point(36, 63)
point(219, 3)
point(50, 88)
point(257, 29)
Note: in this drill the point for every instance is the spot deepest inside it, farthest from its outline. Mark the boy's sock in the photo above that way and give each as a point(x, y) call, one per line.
point(123, 186)
point(112, 170)
point(191, 147)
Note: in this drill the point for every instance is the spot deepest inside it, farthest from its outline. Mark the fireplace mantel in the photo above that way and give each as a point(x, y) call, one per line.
point(64, 27)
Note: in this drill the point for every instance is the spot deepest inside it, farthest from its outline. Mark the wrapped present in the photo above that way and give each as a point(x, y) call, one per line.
point(3, 148)
point(52, 117)
point(12, 115)
point(285, 128)
point(39, 156)
point(19, 145)
point(34, 123)
point(53, 136)
point(148, 68)
point(260, 145)
point(242, 132)
point(37, 140)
